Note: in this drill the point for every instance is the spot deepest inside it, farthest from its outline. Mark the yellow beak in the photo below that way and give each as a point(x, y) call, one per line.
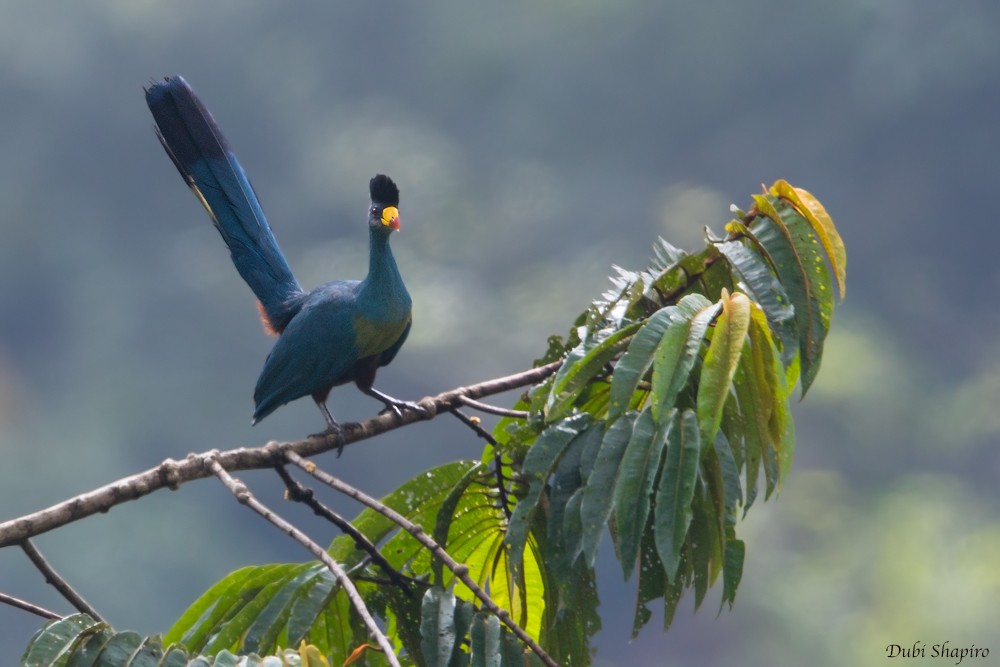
point(390, 217)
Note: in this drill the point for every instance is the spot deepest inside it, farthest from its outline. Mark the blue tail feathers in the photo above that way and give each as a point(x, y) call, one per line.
point(208, 166)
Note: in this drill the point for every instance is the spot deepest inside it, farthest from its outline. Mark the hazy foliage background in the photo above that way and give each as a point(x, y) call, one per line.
point(535, 144)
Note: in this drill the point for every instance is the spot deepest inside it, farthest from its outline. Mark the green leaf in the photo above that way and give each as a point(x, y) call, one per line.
point(597, 502)
point(538, 464)
point(119, 648)
point(719, 366)
point(634, 486)
point(419, 500)
point(636, 361)
point(206, 617)
point(57, 639)
point(439, 632)
point(752, 426)
point(821, 289)
point(730, 473)
point(79, 640)
point(580, 367)
point(794, 252)
point(230, 633)
point(702, 545)
point(261, 636)
point(732, 570)
point(485, 641)
point(676, 489)
point(765, 288)
point(678, 351)
point(768, 397)
point(324, 608)
point(563, 532)
point(665, 255)
point(447, 513)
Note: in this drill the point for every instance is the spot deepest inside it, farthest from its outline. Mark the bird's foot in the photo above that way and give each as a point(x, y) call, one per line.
point(333, 431)
point(396, 406)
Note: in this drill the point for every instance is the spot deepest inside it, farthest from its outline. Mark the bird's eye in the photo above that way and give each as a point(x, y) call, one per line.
point(374, 210)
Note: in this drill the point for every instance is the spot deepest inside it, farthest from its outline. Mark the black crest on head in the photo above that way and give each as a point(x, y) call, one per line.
point(383, 190)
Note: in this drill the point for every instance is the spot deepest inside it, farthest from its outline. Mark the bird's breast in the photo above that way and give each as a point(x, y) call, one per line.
point(373, 337)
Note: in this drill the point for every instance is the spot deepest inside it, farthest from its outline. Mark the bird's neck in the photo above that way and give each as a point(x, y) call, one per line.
point(383, 275)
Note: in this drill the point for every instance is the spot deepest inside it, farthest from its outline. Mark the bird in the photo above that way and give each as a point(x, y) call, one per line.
point(340, 332)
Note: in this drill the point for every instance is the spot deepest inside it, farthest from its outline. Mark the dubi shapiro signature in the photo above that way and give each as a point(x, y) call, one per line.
point(920, 649)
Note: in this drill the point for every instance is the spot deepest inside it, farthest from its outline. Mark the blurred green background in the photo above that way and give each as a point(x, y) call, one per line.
point(535, 145)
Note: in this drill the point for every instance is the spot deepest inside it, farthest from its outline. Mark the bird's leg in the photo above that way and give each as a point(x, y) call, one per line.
point(394, 404)
point(332, 427)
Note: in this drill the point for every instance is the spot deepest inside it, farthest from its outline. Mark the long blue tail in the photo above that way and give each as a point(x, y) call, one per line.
point(208, 166)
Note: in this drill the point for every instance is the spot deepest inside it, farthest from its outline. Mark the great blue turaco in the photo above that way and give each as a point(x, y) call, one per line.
point(340, 332)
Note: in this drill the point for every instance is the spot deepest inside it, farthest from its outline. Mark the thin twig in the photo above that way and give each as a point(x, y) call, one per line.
point(52, 577)
point(493, 409)
point(171, 474)
point(27, 606)
point(497, 457)
point(243, 495)
point(299, 493)
point(473, 423)
point(461, 571)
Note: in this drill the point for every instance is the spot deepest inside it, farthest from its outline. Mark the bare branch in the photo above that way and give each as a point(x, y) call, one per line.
point(27, 606)
point(52, 577)
point(461, 571)
point(493, 409)
point(243, 495)
point(171, 474)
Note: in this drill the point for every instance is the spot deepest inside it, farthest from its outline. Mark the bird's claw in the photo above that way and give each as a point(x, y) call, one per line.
point(335, 431)
point(395, 408)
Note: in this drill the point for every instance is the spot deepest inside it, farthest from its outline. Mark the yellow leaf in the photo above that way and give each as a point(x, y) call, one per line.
point(822, 223)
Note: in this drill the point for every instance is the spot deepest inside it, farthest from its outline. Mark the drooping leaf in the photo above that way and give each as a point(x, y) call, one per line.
point(445, 621)
point(563, 535)
point(676, 489)
point(580, 368)
point(799, 266)
point(732, 570)
point(636, 361)
point(634, 486)
point(821, 289)
point(730, 474)
point(822, 224)
point(538, 465)
point(678, 350)
point(719, 366)
point(654, 585)
point(768, 395)
point(485, 641)
point(598, 493)
point(766, 290)
point(702, 545)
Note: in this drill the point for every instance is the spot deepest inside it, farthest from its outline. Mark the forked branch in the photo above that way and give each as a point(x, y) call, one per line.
point(172, 474)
